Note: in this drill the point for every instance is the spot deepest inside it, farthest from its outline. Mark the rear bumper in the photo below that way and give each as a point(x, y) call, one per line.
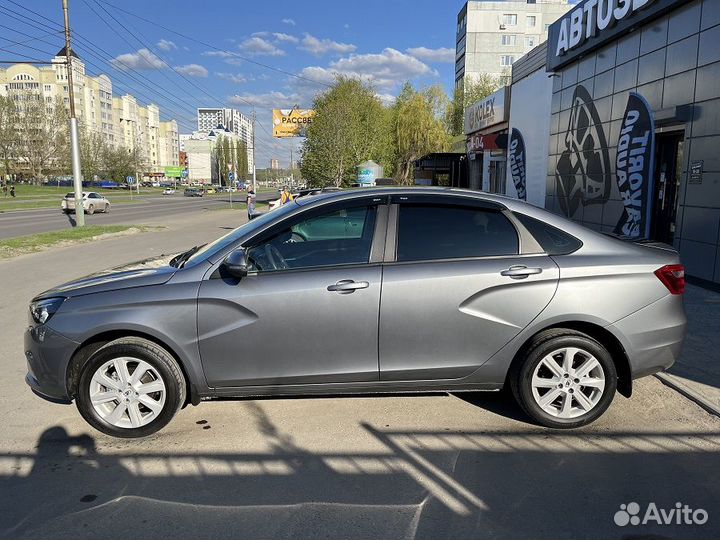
point(47, 354)
point(653, 336)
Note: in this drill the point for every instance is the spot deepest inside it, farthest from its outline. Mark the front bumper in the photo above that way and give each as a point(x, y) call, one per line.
point(47, 354)
point(653, 336)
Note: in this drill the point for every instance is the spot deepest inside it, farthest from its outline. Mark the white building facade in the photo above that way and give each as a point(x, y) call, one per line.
point(213, 118)
point(491, 35)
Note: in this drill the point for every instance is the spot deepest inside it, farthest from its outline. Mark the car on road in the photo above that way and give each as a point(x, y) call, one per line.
point(92, 202)
point(168, 191)
point(193, 192)
point(479, 292)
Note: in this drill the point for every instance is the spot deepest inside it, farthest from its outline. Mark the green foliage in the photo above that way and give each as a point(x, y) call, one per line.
point(417, 128)
point(9, 134)
point(350, 126)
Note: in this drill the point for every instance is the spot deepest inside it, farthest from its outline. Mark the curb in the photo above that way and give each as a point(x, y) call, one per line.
point(674, 382)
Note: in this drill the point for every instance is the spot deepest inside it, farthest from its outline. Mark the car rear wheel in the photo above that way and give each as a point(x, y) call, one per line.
point(130, 388)
point(107, 208)
point(91, 209)
point(567, 379)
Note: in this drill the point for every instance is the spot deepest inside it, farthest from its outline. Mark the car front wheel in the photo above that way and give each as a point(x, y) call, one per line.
point(130, 387)
point(567, 379)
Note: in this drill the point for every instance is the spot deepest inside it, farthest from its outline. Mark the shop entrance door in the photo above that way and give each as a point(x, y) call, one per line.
point(669, 153)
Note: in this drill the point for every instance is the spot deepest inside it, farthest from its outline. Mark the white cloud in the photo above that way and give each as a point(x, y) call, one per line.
point(193, 70)
point(443, 55)
point(237, 78)
point(269, 100)
point(166, 45)
point(287, 38)
point(257, 46)
point(319, 47)
point(291, 22)
point(142, 59)
point(385, 70)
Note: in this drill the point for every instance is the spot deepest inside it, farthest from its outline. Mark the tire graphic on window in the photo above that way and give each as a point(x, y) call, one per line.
point(582, 175)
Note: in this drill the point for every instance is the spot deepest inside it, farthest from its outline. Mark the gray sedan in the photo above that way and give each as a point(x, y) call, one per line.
point(373, 290)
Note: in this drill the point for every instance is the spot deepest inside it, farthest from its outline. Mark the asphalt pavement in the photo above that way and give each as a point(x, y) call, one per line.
point(22, 222)
point(431, 466)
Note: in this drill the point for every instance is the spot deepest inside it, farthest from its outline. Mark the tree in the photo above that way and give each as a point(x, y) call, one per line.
point(349, 127)
point(93, 153)
point(120, 162)
point(44, 137)
point(241, 160)
point(467, 92)
point(9, 135)
point(418, 128)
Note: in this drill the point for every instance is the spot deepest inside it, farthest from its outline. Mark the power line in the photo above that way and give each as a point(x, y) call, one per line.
point(200, 42)
point(91, 49)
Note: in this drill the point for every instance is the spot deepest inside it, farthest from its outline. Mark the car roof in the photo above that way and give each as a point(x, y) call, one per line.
point(392, 190)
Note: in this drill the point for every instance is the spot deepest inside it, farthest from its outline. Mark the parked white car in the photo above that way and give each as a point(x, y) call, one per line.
point(169, 191)
point(92, 202)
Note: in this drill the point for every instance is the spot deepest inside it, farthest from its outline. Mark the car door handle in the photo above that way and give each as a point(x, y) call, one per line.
point(347, 286)
point(520, 272)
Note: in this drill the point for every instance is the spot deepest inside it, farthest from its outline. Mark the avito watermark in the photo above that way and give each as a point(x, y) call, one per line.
point(680, 514)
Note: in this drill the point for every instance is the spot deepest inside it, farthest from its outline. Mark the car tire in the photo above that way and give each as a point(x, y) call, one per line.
point(107, 209)
point(91, 210)
point(162, 378)
point(543, 389)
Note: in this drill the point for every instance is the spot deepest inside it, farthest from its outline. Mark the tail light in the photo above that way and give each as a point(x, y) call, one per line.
point(673, 277)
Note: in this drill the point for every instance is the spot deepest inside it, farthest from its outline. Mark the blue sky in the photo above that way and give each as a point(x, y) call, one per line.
point(385, 42)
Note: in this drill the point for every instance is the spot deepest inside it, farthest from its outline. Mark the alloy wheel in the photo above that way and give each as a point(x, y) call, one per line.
point(127, 392)
point(568, 383)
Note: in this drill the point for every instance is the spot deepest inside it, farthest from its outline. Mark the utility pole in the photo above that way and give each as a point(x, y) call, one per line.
point(74, 134)
point(253, 155)
point(292, 176)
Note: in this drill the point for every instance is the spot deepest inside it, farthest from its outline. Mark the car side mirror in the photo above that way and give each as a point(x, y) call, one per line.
point(235, 264)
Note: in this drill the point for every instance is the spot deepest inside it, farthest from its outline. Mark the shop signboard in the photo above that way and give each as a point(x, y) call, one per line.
point(481, 143)
point(593, 23)
point(634, 167)
point(486, 112)
point(291, 122)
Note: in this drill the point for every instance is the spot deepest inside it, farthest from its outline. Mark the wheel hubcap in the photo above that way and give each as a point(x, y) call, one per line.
point(568, 383)
point(127, 392)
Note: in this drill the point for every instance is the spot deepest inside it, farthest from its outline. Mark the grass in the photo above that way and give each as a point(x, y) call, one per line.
point(20, 245)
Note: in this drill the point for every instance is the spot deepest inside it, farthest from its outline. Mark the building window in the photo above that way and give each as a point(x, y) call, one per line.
point(508, 39)
point(530, 41)
point(510, 19)
point(506, 60)
point(531, 20)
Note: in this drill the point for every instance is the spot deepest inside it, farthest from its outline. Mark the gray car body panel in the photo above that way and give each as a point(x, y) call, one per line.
point(426, 336)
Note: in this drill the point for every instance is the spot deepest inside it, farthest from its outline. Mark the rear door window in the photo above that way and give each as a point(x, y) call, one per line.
point(551, 239)
point(431, 232)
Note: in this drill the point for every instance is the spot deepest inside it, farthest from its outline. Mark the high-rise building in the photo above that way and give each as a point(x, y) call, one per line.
point(491, 35)
point(214, 118)
point(120, 120)
point(274, 164)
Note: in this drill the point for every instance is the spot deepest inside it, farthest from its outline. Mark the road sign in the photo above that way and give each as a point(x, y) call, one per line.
point(231, 176)
point(184, 173)
point(130, 180)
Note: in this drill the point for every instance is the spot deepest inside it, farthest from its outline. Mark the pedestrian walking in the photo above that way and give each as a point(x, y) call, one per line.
point(12, 191)
point(250, 200)
point(5, 193)
point(286, 196)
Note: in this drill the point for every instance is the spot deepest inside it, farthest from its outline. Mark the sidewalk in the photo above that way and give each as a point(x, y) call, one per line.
point(697, 373)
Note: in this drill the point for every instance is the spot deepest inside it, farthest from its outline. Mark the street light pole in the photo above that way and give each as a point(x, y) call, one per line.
point(74, 134)
point(253, 154)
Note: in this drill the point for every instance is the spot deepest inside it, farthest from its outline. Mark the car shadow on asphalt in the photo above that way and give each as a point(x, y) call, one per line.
point(398, 483)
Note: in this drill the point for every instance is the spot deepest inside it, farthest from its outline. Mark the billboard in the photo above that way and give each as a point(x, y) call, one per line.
point(173, 172)
point(291, 122)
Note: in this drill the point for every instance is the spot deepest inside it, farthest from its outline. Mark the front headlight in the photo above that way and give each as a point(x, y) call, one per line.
point(42, 310)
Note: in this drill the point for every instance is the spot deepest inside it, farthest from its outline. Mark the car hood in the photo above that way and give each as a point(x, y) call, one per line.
point(154, 271)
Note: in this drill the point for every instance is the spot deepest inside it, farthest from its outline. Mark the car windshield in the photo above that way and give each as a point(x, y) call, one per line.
point(223, 242)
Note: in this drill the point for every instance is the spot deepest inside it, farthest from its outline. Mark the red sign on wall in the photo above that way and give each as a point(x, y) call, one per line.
point(480, 143)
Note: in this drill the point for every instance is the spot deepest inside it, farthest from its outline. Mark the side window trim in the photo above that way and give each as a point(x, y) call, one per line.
point(377, 243)
point(527, 245)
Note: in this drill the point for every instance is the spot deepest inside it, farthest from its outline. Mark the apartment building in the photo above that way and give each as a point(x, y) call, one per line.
point(491, 35)
point(212, 118)
point(119, 119)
